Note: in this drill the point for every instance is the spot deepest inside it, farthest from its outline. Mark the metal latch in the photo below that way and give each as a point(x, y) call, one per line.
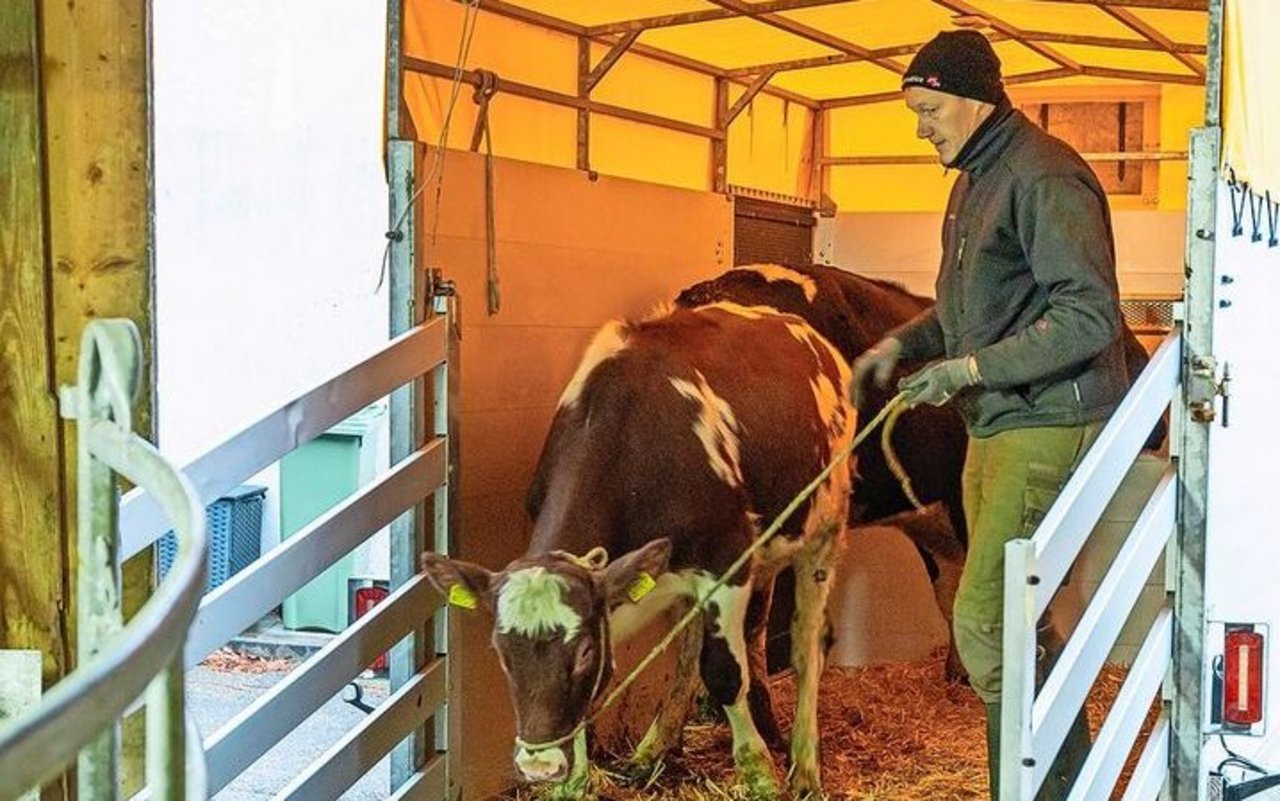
point(1203, 410)
point(442, 296)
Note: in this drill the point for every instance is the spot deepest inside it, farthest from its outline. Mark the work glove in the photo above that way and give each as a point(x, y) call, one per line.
point(939, 382)
point(878, 361)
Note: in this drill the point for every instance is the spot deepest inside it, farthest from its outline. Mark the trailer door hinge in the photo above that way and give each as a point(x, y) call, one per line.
point(1204, 370)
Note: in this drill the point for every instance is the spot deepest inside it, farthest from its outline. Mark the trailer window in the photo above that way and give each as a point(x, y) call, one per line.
point(1119, 123)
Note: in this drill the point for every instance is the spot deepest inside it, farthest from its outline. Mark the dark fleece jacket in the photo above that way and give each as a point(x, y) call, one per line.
point(1027, 283)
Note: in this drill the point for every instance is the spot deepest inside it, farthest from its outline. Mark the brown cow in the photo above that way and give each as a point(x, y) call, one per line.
point(677, 441)
point(853, 312)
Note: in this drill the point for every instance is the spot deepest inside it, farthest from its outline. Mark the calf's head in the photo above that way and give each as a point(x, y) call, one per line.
point(551, 633)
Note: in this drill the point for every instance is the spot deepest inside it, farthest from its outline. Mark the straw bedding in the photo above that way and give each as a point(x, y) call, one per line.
point(894, 732)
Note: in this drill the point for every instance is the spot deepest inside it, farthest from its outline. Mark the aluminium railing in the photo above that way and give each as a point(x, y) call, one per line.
point(118, 662)
point(1034, 724)
point(422, 351)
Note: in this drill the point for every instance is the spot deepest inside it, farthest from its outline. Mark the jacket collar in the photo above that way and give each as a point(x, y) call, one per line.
point(990, 139)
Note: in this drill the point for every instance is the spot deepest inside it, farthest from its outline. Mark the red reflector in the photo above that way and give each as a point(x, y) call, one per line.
point(1242, 678)
point(366, 598)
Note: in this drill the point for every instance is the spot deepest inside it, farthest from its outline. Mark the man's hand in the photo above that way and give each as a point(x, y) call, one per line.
point(878, 360)
point(938, 383)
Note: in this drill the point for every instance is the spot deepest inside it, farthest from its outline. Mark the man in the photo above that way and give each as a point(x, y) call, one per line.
point(1027, 326)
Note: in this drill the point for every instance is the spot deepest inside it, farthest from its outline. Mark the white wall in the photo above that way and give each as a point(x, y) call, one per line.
point(271, 205)
point(906, 247)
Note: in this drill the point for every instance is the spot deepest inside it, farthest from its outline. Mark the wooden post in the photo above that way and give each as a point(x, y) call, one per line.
point(75, 243)
point(720, 147)
point(33, 551)
point(584, 114)
point(819, 173)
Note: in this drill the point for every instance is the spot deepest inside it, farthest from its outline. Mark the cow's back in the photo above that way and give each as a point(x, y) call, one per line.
point(692, 425)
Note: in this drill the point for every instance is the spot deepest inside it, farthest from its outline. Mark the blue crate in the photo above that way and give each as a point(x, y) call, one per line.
point(233, 525)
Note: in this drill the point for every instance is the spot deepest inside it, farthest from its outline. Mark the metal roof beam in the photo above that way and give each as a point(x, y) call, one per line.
point(747, 96)
point(827, 61)
point(710, 15)
point(1114, 42)
point(1136, 23)
point(964, 9)
point(532, 17)
point(1143, 75)
point(519, 14)
point(1129, 156)
point(435, 70)
point(910, 49)
point(610, 58)
point(807, 32)
point(881, 97)
point(1168, 5)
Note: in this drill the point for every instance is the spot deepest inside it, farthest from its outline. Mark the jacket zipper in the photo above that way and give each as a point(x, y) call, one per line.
point(960, 252)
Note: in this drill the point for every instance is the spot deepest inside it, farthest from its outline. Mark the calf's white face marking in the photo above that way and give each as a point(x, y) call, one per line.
point(531, 604)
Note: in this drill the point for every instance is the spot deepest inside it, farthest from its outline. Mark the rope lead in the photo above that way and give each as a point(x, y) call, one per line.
point(701, 604)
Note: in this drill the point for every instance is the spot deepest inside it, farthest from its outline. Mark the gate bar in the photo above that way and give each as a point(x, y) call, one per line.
point(361, 748)
point(297, 422)
point(1106, 759)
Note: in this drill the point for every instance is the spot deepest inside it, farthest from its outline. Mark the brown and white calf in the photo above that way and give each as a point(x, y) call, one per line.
point(677, 440)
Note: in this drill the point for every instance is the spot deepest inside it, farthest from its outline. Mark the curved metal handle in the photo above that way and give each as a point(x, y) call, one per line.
point(88, 702)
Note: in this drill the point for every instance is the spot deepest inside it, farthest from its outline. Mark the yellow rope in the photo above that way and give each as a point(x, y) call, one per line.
point(891, 457)
point(733, 569)
point(594, 559)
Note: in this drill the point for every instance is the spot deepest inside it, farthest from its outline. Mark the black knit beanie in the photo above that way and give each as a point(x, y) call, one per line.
point(958, 63)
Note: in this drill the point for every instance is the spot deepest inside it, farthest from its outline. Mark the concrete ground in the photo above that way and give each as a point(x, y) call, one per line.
point(214, 696)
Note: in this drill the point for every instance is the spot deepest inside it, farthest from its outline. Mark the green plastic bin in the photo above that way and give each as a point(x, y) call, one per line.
point(313, 479)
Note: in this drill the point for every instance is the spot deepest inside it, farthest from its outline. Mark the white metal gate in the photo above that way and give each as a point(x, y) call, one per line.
point(414, 369)
point(1169, 665)
point(1033, 726)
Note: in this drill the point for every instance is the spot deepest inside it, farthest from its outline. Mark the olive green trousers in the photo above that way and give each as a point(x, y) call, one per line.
point(1010, 481)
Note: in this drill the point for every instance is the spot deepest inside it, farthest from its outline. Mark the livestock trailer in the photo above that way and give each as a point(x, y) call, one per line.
point(553, 164)
point(791, 111)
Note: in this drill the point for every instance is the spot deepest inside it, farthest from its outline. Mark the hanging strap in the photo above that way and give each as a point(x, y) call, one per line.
point(484, 92)
point(1237, 212)
point(1255, 215)
point(1273, 221)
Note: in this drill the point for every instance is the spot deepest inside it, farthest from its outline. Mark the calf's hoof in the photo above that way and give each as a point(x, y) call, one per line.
point(756, 779)
point(806, 787)
point(639, 769)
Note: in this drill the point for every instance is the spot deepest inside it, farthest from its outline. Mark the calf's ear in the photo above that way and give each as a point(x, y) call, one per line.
point(463, 584)
point(632, 576)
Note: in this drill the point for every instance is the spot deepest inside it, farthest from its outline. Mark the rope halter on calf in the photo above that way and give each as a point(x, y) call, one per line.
point(597, 558)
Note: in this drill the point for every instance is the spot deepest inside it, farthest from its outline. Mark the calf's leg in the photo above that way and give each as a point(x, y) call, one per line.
point(726, 674)
point(666, 731)
point(759, 697)
point(814, 568)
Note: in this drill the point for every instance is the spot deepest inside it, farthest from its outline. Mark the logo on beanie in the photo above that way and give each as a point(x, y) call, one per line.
point(931, 81)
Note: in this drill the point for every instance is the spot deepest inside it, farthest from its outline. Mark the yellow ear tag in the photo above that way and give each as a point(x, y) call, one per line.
point(461, 597)
point(641, 587)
